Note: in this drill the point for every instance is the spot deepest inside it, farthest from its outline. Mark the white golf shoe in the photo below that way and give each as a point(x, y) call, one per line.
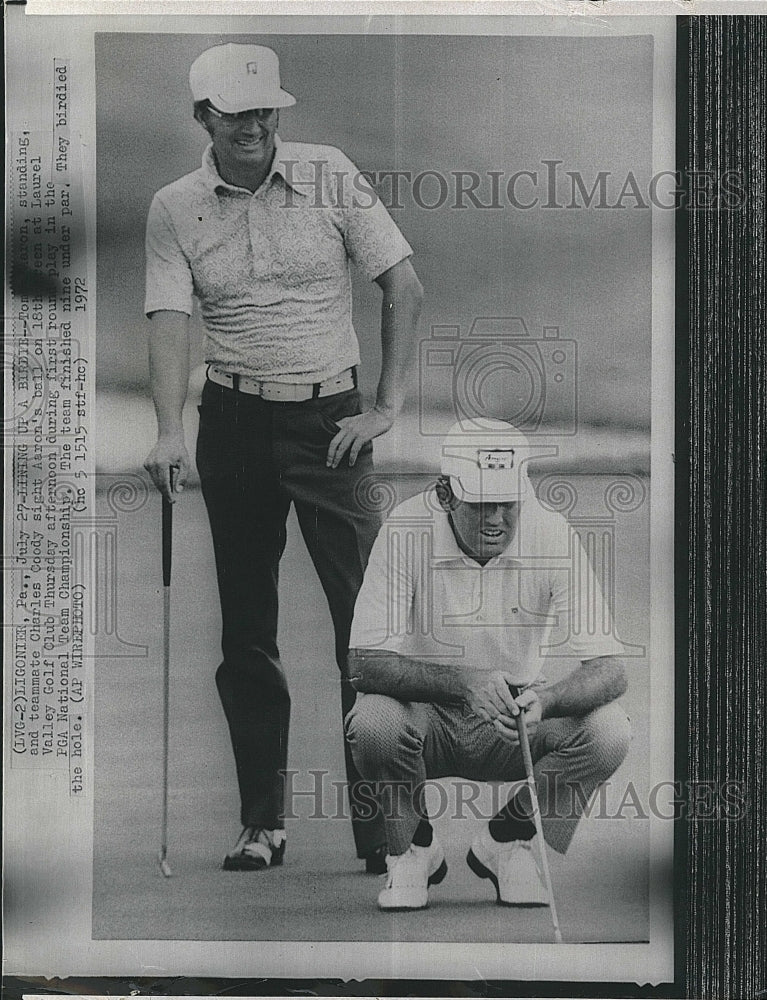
point(409, 876)
point(511, 868)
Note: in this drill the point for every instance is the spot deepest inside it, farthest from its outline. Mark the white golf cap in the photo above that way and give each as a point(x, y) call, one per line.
point(237, 78)
point(486, 461)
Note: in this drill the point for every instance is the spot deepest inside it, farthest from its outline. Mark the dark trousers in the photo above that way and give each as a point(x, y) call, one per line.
point(255, 458)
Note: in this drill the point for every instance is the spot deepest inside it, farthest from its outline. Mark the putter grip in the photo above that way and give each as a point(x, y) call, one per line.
point(167, 537)
point(524, 739)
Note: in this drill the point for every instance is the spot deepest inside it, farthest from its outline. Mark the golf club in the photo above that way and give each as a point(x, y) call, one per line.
point(524, 742)
point(167, 544)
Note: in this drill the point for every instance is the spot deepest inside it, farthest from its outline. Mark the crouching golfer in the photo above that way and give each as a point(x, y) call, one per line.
point(262, 235)
point(468, 587)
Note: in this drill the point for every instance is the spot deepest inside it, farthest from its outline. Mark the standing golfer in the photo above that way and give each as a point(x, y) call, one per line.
point(467, 589)
point(263, 235)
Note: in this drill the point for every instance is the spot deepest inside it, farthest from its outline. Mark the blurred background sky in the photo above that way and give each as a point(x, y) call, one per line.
point(417, 103)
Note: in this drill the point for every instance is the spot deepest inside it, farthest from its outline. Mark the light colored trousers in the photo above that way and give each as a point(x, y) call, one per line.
point(400, 745)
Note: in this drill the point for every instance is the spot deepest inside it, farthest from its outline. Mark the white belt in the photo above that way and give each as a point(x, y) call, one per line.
point(285, 392)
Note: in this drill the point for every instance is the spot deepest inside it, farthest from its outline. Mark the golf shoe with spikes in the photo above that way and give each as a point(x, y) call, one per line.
point(256, 849)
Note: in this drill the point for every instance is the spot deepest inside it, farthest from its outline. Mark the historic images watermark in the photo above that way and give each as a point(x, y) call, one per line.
point(313, 794)
point(548, 185)
point(596, 507)
point(497, 366)
point(537, 371)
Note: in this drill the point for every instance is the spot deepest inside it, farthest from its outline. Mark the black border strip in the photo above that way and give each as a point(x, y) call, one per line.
point(727, 689)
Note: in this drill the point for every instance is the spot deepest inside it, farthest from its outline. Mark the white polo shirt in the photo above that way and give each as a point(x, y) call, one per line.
point(423, 597)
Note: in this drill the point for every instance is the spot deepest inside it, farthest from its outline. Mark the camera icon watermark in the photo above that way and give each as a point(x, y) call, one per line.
point(499, 369)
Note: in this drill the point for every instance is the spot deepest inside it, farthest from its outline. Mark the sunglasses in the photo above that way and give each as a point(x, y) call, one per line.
point(240, 116)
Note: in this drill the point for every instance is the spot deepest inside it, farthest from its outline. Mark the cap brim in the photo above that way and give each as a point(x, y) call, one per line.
point(490, 491)
point(234, 104)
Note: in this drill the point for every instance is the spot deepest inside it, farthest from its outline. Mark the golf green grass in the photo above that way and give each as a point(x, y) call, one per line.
point(321, 893)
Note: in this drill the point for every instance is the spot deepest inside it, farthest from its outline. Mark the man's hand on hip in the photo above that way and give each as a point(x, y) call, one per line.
point(355, 432)
point(527, 704)
point(169, 453)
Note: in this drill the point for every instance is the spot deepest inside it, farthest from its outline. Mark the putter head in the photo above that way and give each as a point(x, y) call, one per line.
point(164, 866)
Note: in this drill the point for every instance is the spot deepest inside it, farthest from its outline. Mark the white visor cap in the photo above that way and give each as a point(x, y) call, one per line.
point(486, 461)
point(237, 78)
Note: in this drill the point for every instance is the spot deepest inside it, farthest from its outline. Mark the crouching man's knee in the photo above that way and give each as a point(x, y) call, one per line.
point(381, 729)
point(608, 731)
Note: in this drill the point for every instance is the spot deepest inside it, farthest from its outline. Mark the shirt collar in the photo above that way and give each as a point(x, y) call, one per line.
point(287, 163)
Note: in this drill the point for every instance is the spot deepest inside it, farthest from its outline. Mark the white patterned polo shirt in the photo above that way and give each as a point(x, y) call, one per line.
point(270, 269)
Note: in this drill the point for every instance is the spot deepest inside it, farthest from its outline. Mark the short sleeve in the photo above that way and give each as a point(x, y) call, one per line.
point(384, 610)
point(584, 615)
point(372, 238)
point(169, 283)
